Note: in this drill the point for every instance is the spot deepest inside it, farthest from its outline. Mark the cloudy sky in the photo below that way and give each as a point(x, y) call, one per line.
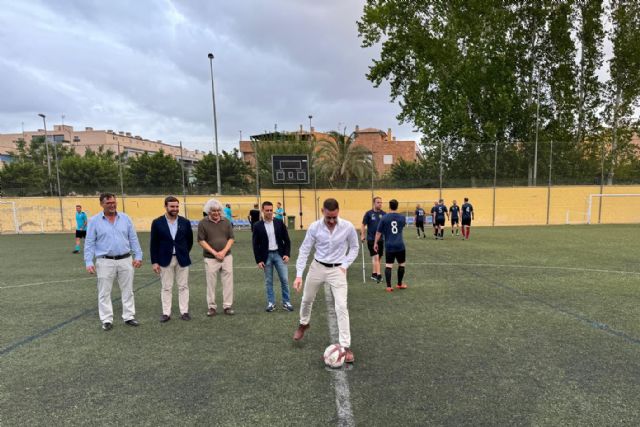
point(142, 67)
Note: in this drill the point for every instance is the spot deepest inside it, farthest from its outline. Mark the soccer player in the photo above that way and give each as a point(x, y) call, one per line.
point(454, 210)
point(467, 216)
point(419, 221)
point(391, 228)
point(279, 213)
point(433, 220)
point(81, 227)
point(228, 213)
point(439, 212)
point(371, 220)
point(254, 216)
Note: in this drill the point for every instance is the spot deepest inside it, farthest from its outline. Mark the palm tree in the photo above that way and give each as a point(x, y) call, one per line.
point(339, 160)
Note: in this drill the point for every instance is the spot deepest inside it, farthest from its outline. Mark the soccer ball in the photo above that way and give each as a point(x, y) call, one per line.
point(334, 356)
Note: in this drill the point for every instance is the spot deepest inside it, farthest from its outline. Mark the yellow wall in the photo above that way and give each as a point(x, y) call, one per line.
point(514, 206)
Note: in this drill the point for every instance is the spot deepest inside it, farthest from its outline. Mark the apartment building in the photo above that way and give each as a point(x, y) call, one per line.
point(117, 141)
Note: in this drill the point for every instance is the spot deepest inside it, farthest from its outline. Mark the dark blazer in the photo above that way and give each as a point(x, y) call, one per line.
point(261, 240)
point(161, 247)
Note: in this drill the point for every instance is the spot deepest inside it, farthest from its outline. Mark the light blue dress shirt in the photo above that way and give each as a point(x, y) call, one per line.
point(173, 229)
point(104, 238)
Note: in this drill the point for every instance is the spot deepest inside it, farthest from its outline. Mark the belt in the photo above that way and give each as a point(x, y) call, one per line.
point(123, 256)
point(327, 264)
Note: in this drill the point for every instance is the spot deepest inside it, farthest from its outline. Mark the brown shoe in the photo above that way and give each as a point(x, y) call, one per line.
point(229, 311)
point(211, 312)
point(299, 333)
point(348, 357)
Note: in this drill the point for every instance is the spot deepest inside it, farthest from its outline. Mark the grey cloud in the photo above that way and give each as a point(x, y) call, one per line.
point(142, 67)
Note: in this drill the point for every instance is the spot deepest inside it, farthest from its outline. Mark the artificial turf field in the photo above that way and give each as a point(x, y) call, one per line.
point(517, 326)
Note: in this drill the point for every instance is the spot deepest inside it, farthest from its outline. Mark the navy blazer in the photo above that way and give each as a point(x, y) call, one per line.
point(162, 243)
point(261, 240)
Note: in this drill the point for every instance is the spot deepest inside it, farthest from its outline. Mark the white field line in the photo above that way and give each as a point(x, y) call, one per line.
point(540, 267)
point(339, 376)
point(444, 264)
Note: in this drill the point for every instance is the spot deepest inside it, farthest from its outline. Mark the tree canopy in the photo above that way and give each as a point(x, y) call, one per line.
point(470, 74)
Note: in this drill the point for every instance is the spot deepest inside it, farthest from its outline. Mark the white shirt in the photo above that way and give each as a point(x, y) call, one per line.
point(271, 234)
point(173, 230)
point(331, 246)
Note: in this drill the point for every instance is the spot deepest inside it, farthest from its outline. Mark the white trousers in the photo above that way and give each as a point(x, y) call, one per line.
point(181, 275)
point(108, 270)
point(213, 267)
point(337, 280)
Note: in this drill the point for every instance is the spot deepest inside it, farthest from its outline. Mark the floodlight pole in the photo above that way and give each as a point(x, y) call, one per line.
point(315, 176)
point(46, 145)
point(535, 151)
point(549, 184)
point(215, 125)
point(495, 178)
point(441, 149)
point(184, 188)
point(601, 183)
point(120, 173)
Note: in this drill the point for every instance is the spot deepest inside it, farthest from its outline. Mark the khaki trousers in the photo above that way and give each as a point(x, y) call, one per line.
point(211, 268)
point(181, 276)
point(107, 271)
point(337, 280)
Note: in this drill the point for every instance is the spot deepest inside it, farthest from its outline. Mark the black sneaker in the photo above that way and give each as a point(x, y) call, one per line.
point(107, 326)
point(132, 322)
point(379, 278)
point(374, 277)
point(164, 318)
point(185, 316)
point(270, 307)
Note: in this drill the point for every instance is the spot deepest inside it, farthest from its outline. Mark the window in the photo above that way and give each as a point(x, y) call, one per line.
point(388, 159)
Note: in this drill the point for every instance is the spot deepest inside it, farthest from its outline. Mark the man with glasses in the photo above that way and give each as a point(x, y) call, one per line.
point(336, 244)
point(215, 235)
point(110, 239)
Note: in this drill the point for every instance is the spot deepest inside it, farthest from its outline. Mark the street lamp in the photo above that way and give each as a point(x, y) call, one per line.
point(55, 151)
point(315, 175)
point(215, 125)
point(46, 144)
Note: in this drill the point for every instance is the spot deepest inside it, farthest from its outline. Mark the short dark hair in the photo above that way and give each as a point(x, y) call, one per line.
point(266, 203)
point(255, 205)
point(466, 199)
point(331, 204)
point(170, 199)
point(105, 196)
point(393, 204)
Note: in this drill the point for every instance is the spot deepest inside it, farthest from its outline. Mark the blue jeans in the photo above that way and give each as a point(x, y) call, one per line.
point(275, 260)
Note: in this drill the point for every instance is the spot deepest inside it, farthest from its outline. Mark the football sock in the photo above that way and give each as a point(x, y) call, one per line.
point(387, 276)
point(400, 274)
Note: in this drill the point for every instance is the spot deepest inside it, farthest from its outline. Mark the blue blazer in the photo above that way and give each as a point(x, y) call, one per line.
point(261, 240)
point(162, 243)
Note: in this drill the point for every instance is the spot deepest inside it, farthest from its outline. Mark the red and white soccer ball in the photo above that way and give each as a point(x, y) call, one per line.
point(334, 356)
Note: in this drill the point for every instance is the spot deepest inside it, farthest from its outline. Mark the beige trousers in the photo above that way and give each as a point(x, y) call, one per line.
point(107, 271)
point(211, 268)
point(181, 275)
point(337, 280)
